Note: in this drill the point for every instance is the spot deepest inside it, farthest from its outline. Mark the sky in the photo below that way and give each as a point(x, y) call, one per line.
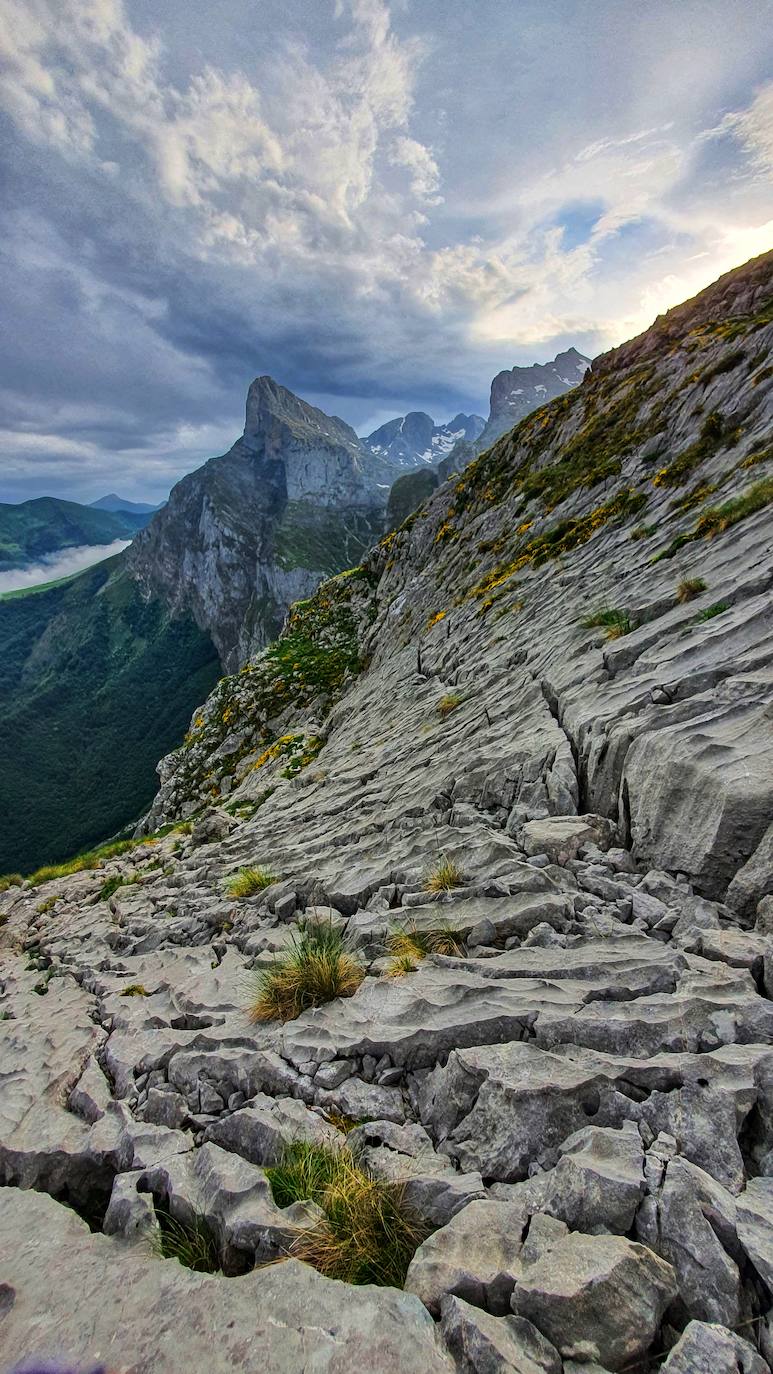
point(381, 203)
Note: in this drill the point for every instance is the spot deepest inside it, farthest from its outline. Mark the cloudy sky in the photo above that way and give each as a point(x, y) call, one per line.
point(379, 202)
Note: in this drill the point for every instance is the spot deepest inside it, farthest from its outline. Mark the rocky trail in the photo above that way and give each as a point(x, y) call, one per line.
point(579, 1099)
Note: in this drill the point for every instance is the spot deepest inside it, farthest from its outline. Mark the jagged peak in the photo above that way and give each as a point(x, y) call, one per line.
point(270, 404)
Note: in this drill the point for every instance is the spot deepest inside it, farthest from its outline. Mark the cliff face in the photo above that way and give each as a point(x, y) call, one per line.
point(255, 529)
point(530, 733)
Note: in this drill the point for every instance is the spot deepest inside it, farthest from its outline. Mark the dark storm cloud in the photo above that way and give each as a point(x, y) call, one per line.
point(335, 208)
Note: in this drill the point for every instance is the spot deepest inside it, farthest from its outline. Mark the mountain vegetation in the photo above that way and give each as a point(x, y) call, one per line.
point(36, 529)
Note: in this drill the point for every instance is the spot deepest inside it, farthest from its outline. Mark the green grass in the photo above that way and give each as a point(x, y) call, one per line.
point(616, 622)
point(711, 611)
point(317, 967)
point(191, 1243)
point(111, 885)
point(689, 588)
point(248, 881)
point(10, 880)
point(92, 858)
point(134, 990)
point(443, 876)
point(367, 1234)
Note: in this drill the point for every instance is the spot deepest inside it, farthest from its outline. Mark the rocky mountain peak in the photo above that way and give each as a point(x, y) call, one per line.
point(294, 499)
point(414, 440)
point(274, 414)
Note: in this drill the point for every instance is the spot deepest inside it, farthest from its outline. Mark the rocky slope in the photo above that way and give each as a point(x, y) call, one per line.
point(413, 440)
point(579, 1100)
point(248, 533)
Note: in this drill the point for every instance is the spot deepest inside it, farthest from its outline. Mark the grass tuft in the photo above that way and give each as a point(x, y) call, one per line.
point(409, 946)
point(711, 611)
point(448, 703)
point(445, 875)
point(192, 1243)
point(248, 881)
point(367, 1234)
point(690, 587)
point(317, 967)
point(134, 990)
point(10, 880)
point(614, 621)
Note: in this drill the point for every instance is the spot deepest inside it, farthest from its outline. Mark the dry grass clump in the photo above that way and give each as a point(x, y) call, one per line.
point(443, 876)
point(247, 881)
point(409, 946)
point(367, 1235)
point(448, 703)
point(689, 588)
point(317, 967)
point(134, 990)
point(10, 880)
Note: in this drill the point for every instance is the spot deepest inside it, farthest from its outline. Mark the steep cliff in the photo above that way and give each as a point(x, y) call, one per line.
point(249, 532)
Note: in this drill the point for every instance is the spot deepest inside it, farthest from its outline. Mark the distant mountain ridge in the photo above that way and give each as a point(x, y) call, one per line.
point(114, 502)
point(46, 525)
point(411, 440)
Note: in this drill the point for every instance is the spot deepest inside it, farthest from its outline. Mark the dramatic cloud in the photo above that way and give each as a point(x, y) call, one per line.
point(379, 208)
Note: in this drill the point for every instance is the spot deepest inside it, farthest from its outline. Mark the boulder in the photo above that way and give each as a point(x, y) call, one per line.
point(68, 1294)
point(482, 1344)
point(476, 1256)
point(597, 1297)
point(704, 1348)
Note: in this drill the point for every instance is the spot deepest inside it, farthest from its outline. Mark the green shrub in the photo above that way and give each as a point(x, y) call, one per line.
point(248, 881)
point(690, 587)
point(616, 622)
point(316, 968)
point(367, 1234)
